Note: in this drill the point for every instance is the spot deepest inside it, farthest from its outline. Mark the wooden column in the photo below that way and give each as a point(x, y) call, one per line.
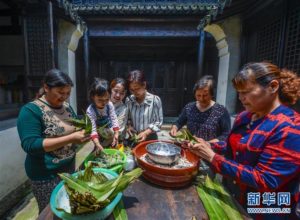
point(201, 52)
point(25, 34)
point(86, 58)
point(51, 33)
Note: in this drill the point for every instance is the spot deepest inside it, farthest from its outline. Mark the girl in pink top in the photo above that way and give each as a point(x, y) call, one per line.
point(102, 112)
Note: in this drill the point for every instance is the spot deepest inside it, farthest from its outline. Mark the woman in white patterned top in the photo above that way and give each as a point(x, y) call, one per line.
point(102, 113)
point(118, 92)
point(145, 114)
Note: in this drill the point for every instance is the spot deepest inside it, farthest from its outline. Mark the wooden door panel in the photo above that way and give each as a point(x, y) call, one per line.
point(172, 81)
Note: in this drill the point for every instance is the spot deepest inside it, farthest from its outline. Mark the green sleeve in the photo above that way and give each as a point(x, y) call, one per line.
point(30, 129)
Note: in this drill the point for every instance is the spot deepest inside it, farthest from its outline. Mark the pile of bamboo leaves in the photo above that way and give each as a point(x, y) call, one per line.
point(104, 160)
point(90, 191)
point(217, 202)
point(86, 125)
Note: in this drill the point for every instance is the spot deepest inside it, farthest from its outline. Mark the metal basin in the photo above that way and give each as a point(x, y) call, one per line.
point(163, 153)
point(167, 177)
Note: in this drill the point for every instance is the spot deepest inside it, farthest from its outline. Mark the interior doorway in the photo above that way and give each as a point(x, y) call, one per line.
point(170, 65)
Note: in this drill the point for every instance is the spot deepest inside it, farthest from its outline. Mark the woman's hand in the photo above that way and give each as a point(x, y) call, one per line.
point(203, 150)
point(79, 137)
point(115, 139)
point(98, 147)
point(143, 135)
point(131, 131)
point(173, 131)
point(199, 139)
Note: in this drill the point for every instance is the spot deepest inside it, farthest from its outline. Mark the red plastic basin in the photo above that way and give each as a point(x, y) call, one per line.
point(167, 177)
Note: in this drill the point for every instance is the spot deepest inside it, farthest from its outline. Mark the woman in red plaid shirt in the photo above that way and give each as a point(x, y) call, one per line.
point(262, 152)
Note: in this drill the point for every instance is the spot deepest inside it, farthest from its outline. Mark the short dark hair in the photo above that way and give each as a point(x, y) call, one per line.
point(118, 80)
point(57, 78)
point(136, 76)
point(99, 87)
point(205, 81)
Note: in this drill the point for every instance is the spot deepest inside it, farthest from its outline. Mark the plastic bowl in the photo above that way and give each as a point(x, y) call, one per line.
point(60, 196)
point(116, 168)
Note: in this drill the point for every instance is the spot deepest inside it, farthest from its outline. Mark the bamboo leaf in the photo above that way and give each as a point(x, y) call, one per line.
point(185, 135)
point(213, 209)
point(126, 180)
point(87, 195)
point(112, 188)
point(71, 182)
point(120, 211)
point(226, 201)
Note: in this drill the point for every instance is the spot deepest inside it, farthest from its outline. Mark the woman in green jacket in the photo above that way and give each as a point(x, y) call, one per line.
point(47, 137)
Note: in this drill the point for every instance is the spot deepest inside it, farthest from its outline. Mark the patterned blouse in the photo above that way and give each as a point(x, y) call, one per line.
point(56, 125)
point(210, 124)
point(263, 155)
point(37, 121)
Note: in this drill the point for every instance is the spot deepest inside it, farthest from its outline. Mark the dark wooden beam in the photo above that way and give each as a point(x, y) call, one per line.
point(86, 58)
point(201, 52)
point(147, 32)
point(26, 51)
point(142, 19)
point(51, 33)
point(142, 42)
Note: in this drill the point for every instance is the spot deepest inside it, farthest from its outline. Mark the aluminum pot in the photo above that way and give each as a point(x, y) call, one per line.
point(163, 153)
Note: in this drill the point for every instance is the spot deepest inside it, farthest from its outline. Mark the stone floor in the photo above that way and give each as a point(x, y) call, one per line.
point(28, 210)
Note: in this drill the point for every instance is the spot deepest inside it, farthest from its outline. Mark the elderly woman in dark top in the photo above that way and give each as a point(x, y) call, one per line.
point(204, 118)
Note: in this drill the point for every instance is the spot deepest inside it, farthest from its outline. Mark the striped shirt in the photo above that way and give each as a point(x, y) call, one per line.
point(108, 110)
point(148, 114)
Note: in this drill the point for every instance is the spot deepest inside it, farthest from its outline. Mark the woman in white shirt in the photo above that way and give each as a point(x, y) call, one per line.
point(145, 114)
point(118, 90)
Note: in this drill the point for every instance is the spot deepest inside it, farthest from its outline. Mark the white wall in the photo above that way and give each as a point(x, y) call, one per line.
point(12, 160)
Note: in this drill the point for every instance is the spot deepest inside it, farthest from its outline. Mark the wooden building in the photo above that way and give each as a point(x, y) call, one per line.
point(174, 42)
